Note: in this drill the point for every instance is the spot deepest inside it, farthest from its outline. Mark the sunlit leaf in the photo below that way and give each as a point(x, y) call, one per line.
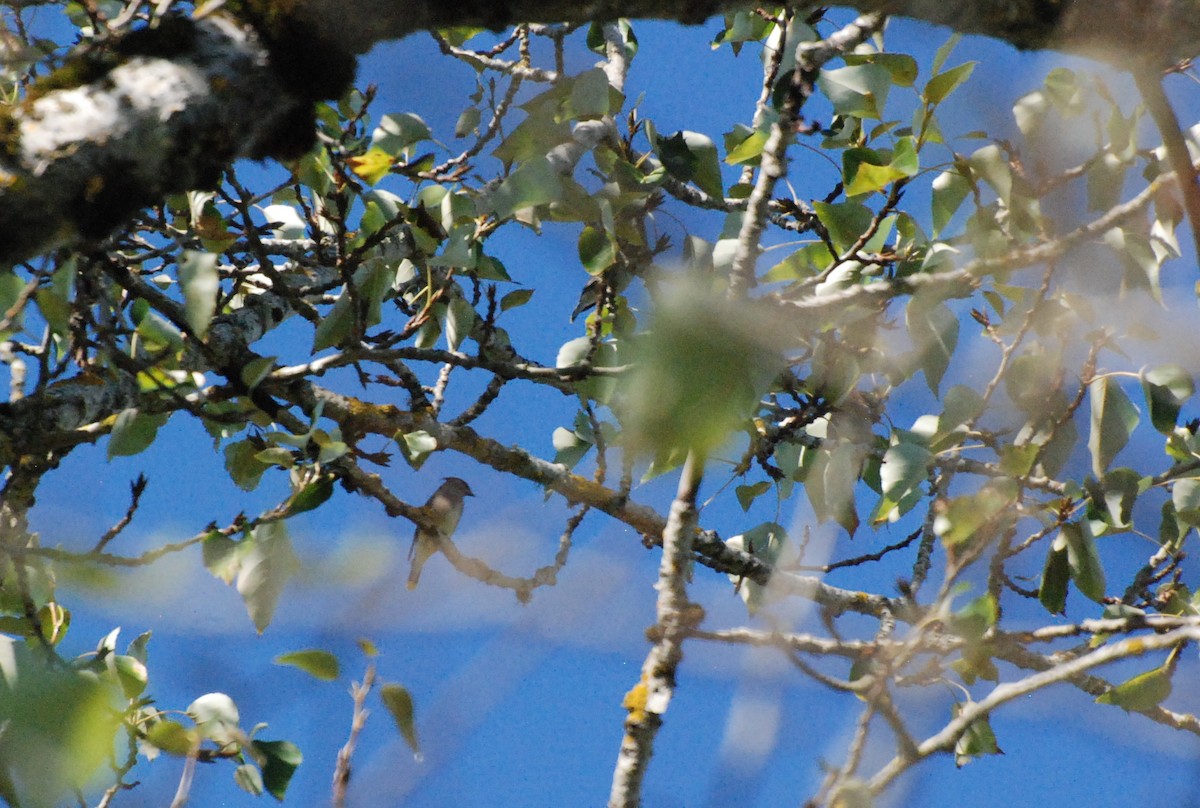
point(267, 565)
point(397, 132)
point(940, 86)
point(965, 517)
point(216, 718)
point(133, 431)
point(1167, 388)
point(857, 90)
point(1143, 692)
point(905, 467)
point(201, 283)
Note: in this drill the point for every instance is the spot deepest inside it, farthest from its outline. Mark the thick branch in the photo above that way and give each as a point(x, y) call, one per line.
point(1170, 28)
point(164, 112)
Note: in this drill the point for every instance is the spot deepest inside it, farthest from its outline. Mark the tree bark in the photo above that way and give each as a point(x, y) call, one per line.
point(1169, 27)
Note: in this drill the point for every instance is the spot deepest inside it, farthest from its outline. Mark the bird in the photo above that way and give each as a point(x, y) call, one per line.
point(442, 512)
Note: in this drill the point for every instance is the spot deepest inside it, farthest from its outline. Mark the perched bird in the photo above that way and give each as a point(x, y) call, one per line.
point(442, 512)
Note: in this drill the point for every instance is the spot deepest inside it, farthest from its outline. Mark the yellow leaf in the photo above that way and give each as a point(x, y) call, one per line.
point(372, 166)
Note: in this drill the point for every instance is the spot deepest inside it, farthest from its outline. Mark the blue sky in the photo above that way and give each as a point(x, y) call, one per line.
point(520, 705)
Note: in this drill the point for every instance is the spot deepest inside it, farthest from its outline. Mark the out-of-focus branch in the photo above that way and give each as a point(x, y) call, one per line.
point(1149, 83)
point(945, 738)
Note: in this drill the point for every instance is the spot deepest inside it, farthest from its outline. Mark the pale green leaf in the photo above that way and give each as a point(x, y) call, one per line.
point(315, 662)
point(1113, 419)
point(267, 565)
point(1086, 569)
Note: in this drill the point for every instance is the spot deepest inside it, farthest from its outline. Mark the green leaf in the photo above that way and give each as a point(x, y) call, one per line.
point(766, 542)
point(845, 221)
point(869, 170)
point(172, 738)
point(531, 184)
point(933, 329)
point(1105, 182)
point(976, 741)
point(132, 432)
point(515, 298)
point(1113, 420)
point(399, 703)
point(459, 322)
point(1030, 112)
point(1114, 496)
point(249, 779)
point(312, 495)
point(990, 164)
point(201, 284)
point(746, 150)
point(746, 494)
point(598, 44)
point(831, 483)
point(965, 517)
point(974, 619)
point(569, 447)
point(698, 373)
point(1064, 92)
point(267, 565)
point(131, 674)
point(1056, 574)
point(280, 759)
point(1141, 258)
point(372, 282)
point(591, 96)
point(216, 718)
point(597, 252)
point(243, 465)
point(940, 86)
point(740, 27)
point(904, 468)
point(416, 446)
point(950, 188)
point(692, 157)
point(276, 456)
point(1086, 568)
point(11, 288)
point(467, 122)
point(1185, 494)
point(254, 371)
point(1167, 388)
point(221, 556)
point(900, 66)
point(857, 90)
point(1143, 692)
point(397, 132)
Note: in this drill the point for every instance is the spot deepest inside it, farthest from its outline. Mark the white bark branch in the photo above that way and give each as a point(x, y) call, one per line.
point(649, 699)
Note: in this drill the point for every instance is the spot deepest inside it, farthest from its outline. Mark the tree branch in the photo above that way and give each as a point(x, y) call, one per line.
point(648, 700)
